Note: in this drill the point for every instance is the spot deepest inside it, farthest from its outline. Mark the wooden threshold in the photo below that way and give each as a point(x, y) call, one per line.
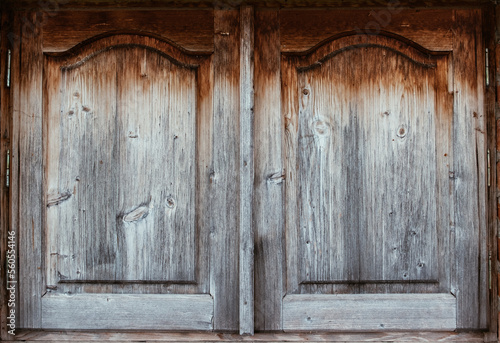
point(157, 336)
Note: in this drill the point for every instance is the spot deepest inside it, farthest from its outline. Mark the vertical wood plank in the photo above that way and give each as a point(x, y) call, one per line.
point(5, 120)
point(28, 110)
point(225, 173)
point(269, 178)
point(481, 141)
point(466, 178)
point(489, 16)
point(246, 170)
point(14, 125)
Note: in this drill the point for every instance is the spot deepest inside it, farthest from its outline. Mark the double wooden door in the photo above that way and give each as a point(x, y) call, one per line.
point(368, 187)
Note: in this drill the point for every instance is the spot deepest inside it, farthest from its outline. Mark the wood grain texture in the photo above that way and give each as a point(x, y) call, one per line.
point(301, 30)
point(15, 130)
point(466, 178)
point(121, 175)
point(489, 34)
point(269, 174)
point(225, 208)
point(246, 261)
point(192, 30)
point(338, 4)
point(125, 311)
point(31, 185)
point(481, 141)
point(369, 312)
point(367, 169)
point(410, 336)
point(132, 109)
point(5, 136)
point(335, 243)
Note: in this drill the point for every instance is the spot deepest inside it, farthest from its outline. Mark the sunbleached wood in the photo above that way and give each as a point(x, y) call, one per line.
point(125, 311)
point(369, 312)
point(224, 176)
point(31, 178)
point(270, 181)
point(466, 122)
point(246, 263)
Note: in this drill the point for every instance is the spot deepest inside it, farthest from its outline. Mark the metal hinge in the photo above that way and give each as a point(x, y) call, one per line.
point(7, 175)
point(8, 67)
point(487, 69)
point(489, 168)
point(489, 268)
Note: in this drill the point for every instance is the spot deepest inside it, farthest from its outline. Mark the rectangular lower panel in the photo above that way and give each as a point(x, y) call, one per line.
point(369, 312)
point(127, 311)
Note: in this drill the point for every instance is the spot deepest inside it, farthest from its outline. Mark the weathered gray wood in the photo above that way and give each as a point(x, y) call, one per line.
point(246, 262)
point(408, 336)
point(466, 179)
point(367, 168)
point(143, 108)
point(444, 189)
point(125, 311)
point(28, 109)
point(373, 312)
point(121, 168)
point(481, 141)
point(5, 145)
point(224, 177)
point(269, 179)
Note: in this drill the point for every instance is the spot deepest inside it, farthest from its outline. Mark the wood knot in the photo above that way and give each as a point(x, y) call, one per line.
point(170, 202)
point(402, 132)
point(137, 214)
point(321, 128)
point(305, 91)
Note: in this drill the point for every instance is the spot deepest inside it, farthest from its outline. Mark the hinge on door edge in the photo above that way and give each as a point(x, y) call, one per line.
point(7, 174)
point(487, 69)
point(489, 269)
point(8, 68)
point(489, 168)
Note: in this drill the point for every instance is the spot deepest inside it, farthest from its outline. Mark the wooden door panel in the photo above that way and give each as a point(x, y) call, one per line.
point(121, 171)
point(372, 197)
point(123, 186)
point(367, 167)
point(369, 205)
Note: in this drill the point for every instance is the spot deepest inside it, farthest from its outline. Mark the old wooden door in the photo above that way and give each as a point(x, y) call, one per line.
point(369, 159)
point(382, 193)
point(122, 224)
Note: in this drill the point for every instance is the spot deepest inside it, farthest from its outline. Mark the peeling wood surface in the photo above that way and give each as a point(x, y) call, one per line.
point(191, 30)
point(302, 30)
